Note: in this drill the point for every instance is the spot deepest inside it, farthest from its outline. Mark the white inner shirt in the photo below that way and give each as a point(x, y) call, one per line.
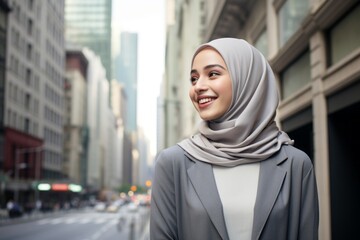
point(237, 187)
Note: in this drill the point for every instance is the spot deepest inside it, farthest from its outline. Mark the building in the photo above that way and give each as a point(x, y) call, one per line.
point(118, 105)
point(88, 24)
point(75, 128)
point(126, 73)
point(4, 11)
point(33, 104)
point(314, 50)
point(126, 67)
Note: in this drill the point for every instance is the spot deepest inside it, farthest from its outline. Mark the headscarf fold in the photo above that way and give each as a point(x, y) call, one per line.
point(247, 132)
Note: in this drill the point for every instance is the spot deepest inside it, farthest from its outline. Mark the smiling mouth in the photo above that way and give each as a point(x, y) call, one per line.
point(205, 100)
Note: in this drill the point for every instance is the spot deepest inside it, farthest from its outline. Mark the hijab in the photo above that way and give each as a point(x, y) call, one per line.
point(247, 132)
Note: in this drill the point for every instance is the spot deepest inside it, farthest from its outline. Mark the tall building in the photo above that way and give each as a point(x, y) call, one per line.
point(4, 11)
point(88, 23)
point(126, 73)
point(34, 96)
point(75, 127)
point(314, 50)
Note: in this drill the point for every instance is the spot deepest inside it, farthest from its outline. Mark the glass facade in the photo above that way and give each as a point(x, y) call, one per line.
point(341, 46)
point(291, 15)
point(261, 44)
point(88, 22)
point(296, 76)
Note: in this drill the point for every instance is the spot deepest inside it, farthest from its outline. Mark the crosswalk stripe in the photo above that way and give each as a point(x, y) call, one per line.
point(78, 220)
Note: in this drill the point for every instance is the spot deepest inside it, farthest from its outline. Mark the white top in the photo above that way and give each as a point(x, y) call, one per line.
point(237, 187)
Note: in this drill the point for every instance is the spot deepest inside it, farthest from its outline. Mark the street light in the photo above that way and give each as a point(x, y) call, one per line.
point(19, 166)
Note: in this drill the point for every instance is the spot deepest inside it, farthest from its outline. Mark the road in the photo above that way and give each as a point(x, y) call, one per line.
point(87, 225)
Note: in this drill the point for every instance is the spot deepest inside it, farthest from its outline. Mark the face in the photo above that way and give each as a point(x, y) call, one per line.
point(211, 87)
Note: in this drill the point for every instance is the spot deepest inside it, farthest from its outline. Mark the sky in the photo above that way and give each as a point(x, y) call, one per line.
point(147, 18)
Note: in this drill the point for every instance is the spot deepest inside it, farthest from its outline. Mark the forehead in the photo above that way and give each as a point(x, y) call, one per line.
point(207, 56)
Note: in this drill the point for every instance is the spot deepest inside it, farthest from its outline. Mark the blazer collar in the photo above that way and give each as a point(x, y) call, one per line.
point(271, 178)
point(270, 181)
point(203, 181)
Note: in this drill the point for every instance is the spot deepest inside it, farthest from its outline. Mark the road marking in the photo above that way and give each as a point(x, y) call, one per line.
point(56, 221)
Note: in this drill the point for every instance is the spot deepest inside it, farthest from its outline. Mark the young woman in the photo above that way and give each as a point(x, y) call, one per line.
point(239, 177)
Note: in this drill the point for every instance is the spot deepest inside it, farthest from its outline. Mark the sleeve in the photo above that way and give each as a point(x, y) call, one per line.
point(309, 217)
point(163, 210)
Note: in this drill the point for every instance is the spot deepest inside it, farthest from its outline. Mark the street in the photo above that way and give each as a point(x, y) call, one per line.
point(127, 224)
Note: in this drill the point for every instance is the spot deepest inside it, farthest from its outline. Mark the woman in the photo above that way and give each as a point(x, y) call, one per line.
point(239, 177)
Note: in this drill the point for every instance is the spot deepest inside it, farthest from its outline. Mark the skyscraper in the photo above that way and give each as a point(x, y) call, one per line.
point(126, 73)
point(88, 23)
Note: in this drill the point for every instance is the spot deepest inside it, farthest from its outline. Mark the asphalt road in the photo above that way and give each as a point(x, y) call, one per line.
point(87, 225)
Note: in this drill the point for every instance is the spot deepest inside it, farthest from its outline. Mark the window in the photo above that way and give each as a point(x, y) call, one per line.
point(30, 27)
point(28, 76)
point(261, 43)
point(341, 46)
point(27, 101)
point(296, 76)
point(29, 51)
point(27, 125)
point(291, 14)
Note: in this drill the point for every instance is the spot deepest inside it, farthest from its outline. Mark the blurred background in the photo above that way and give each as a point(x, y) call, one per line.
point(91, 90)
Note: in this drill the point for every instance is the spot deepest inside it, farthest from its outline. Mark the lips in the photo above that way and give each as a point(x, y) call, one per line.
point(205, 101)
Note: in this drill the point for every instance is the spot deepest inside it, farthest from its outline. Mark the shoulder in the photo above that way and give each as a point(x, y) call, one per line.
point(298, 158)
point(170, 156)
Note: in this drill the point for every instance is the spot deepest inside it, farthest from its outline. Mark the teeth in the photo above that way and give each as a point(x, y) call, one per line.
point(205, 100)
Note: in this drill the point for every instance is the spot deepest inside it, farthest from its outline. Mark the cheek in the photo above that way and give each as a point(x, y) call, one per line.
point(225, 90)
point(191, 94)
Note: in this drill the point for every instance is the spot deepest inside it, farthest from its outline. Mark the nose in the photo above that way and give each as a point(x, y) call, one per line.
point(201, 85)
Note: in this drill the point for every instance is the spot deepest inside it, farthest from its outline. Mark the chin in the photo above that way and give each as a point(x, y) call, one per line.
point(206, 118)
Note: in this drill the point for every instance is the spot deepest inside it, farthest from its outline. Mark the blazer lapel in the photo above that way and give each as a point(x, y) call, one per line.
point(202, 178)
point(270, 182)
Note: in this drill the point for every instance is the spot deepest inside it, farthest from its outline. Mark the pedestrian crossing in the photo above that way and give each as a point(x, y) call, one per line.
point(78, 220)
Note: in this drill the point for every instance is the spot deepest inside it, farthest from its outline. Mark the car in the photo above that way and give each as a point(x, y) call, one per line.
point(100, 207)
point(132, 207)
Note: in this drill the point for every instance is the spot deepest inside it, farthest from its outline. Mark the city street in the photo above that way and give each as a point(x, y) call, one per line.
point(127, 224)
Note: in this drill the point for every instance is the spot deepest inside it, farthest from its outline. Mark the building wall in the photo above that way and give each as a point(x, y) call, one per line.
point(75, 121)
point(34, 100)
point(95, 98)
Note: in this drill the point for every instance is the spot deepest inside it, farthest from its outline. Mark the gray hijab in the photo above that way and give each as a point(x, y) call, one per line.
point(247, 132)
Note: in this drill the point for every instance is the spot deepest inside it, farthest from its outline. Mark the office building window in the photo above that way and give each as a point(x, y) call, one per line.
point(344, 36)
point(291, 14)
point(28, 76)
point(295, 76)
point(27, 101)
point(30, 27)
point(29, 51)
point(261, 43)
point(27, 125)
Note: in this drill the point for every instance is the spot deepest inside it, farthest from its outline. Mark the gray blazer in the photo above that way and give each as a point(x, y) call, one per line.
point(185, 203)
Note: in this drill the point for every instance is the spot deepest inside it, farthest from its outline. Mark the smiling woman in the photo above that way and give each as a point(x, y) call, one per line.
point(239, 177)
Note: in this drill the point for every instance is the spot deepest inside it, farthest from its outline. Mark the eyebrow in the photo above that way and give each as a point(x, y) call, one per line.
point(209, 66)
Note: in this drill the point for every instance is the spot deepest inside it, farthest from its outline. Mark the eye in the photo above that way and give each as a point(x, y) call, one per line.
point(213, 74)
point(193, 79)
